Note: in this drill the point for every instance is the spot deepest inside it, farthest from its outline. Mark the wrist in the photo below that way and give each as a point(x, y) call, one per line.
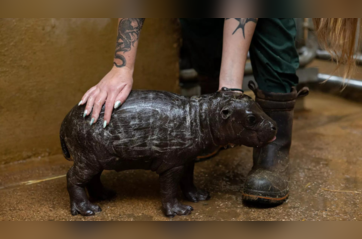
point(237, 90)
point(124, 69)
point(231, 83)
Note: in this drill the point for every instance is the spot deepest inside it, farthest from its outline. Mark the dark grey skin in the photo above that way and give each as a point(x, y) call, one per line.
point(162, 132)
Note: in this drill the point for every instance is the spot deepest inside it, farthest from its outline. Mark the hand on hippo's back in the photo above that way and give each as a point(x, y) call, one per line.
point(112, 91)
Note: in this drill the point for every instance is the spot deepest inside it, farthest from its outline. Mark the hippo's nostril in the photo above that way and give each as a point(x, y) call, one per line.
point(273, 128)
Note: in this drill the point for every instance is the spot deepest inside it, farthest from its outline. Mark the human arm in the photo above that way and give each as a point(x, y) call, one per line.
point(116, 85)
point(238, 33)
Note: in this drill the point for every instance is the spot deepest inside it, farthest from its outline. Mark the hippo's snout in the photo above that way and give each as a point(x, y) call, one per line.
point(268, 132)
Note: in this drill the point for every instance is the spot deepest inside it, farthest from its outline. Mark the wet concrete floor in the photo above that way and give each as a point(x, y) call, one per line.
point(326, 181)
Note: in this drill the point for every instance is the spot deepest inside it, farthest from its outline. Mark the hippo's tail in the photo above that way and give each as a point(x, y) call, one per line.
point(63, 144)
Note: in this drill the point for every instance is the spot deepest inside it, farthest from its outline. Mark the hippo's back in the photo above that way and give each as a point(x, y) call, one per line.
point(149, 125)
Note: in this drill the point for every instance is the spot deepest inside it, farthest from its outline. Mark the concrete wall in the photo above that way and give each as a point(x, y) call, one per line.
point(47, 64)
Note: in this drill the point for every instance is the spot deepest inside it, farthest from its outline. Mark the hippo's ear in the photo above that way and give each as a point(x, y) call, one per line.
point(225, 112)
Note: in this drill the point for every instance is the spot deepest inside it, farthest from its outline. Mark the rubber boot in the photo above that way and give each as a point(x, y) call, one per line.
point(267, 182)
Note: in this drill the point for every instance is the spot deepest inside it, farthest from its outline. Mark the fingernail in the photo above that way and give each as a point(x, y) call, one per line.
point(92, 121)
point(85, 113)
point(104, 124)
point(117, 104)
point(80, 102)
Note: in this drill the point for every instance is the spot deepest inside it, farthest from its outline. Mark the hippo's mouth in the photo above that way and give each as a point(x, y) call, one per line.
point(263, 143)
point(275, 137)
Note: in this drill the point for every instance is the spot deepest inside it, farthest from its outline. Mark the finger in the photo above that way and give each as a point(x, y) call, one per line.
point(90, 102)
point(98, 103)
point(122, 96)
point(86, 96)
point(109, 107)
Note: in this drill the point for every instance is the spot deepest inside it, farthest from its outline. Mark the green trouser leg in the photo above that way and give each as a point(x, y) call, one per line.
point(273, 55)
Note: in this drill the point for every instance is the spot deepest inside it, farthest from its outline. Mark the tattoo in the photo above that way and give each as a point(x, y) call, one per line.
point(242, 23)
point(128, 33)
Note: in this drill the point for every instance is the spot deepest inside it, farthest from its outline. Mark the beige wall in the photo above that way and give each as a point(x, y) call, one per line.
point(47, 64)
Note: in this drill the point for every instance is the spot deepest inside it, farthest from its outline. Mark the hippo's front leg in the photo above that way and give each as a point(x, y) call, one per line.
point(169, 183)
point(188, 188)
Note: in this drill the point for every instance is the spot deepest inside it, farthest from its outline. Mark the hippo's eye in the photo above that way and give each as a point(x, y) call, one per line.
point(251, 119)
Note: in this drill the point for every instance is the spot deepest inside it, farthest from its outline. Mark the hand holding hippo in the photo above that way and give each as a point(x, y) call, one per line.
point(162, 132)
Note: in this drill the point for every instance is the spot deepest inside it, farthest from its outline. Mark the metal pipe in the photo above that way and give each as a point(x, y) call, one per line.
point(324, 55)
point(307, 56)
point(337, 79)
point(346, 88)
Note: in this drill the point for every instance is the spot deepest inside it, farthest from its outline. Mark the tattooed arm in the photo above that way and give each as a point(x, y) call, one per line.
point(238, 33)
point(115, 87)
point(129, 30)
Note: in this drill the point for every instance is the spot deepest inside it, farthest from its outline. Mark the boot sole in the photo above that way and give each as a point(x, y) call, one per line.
point(263, 199)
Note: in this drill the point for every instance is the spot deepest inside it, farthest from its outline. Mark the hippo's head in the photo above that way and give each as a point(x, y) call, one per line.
point(241, 121)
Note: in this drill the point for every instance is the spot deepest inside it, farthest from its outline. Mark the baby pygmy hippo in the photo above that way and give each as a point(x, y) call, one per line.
point(162, 132)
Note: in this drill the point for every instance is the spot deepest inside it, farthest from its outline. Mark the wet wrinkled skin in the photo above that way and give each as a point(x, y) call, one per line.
point(162, 132)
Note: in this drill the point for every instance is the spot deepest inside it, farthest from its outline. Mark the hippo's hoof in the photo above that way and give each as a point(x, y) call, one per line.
point(84, 208)
point(196, 195)
point(172, 210)
point(104, 194)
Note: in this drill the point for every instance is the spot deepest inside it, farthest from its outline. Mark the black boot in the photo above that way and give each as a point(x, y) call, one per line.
point(267, 183)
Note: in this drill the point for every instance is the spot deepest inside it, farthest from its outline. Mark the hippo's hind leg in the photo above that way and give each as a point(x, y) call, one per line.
point(169, 182)
point(77, 179)
point(97, 191)
point(188, 188)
